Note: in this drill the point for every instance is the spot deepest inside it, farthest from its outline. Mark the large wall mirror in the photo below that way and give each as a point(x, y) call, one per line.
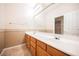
point(59, 23)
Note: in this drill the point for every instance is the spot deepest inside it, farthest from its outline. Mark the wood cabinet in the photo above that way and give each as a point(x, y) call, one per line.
point(33, 39)
point(41, 52)
point(33, 46)
point(41, 44)
point(33, 51)
point(39, 48)
point(27, 39)
point(54, 52)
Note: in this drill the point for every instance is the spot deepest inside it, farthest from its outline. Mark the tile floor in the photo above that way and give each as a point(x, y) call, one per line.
point(19, 50)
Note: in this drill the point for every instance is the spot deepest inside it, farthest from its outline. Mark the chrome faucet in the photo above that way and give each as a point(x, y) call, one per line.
point(57, 38)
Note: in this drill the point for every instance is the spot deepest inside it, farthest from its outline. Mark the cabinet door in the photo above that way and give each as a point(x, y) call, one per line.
point(33, 51)
point(41, 44)
point(41, 52)
point(33, 44)
point(54, 52)
point(33, 39)
point(28, 42)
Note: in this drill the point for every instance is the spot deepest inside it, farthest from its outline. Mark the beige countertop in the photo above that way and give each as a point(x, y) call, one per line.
point(67, 44)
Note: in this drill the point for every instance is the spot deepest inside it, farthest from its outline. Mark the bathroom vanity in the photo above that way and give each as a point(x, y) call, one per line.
point(39, 47)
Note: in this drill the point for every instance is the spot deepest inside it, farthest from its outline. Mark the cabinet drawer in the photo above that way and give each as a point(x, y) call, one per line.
point(33, 51)
point(28, 46)
point(54, 52)
point(33, 44)
point(29, 37)
point(41, 44)
point(33, 39)
point(28, 43)
point(27, 40)
point(41, 52)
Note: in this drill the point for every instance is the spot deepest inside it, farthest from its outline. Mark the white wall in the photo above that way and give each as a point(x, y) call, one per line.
point(40, 22)
point(2, 18)
point(71, 15)
point(71, 25)
point(17, 15)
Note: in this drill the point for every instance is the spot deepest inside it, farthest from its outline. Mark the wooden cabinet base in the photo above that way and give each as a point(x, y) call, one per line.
point(39, 48)
point(54, 52)
point(41, 52)
point(33, 51)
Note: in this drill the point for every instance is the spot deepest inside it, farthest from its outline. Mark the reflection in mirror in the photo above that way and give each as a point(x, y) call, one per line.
point(59, 23)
